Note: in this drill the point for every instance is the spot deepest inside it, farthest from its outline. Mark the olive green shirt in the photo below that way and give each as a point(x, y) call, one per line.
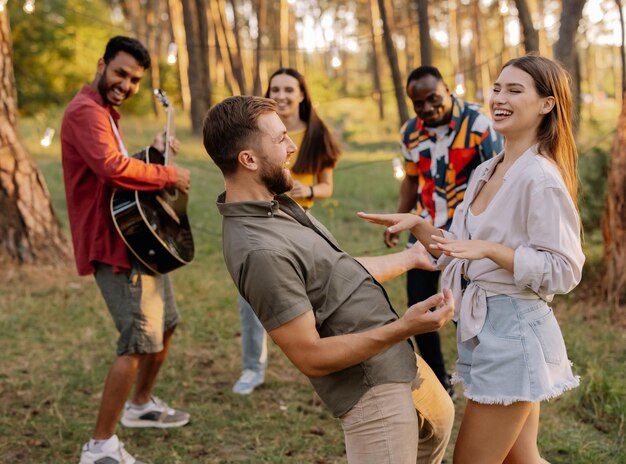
point(285, 263)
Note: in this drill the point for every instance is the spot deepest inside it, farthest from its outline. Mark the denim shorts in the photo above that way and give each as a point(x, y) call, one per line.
point(141, 304)
point(519, 355)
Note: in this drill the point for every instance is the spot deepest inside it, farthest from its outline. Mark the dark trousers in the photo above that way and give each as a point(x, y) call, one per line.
point(420, 285)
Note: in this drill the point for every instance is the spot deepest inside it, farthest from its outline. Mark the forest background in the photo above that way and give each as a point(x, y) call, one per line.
point(56, 337)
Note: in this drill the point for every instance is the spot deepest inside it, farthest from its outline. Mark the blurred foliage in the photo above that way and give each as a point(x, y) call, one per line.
point(593, 169)
point(56, 49)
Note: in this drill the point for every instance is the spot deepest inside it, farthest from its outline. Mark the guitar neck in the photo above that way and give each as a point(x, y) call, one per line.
point(169, 133)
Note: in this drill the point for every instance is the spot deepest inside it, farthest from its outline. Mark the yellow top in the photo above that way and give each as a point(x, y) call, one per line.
point(305, 178)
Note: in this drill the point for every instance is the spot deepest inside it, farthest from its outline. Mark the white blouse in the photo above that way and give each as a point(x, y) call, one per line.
point(532, 213)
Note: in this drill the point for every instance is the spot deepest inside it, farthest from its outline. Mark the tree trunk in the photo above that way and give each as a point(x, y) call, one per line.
point(614, 225)
point(614, 220)
point(565, 46)
point(197, 88)
point(234, 48)
point(177, 32)
point(455, 59)
point(243, 53)
point(205, 66)
point(29, 229)
point(622, 46)
point(143, 22)
point(426, 46)
point(258, 56)
point(374, 32)
point(544, 48)
point(483, 80)
point(531, 36)
point(224, 49)
point(284, 34)
point(403, 111)
point(153, 35)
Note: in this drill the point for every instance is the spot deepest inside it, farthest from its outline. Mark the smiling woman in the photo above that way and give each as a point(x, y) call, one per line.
point(511, 247)
point(312, 166)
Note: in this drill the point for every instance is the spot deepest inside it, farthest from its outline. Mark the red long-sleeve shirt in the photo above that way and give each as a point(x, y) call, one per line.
point(93, 166)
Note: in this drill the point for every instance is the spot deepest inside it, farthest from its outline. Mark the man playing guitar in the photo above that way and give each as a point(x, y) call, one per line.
point(141, 303)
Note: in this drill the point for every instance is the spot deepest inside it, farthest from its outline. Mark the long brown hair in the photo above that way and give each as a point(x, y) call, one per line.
point(319, 148)
point(555, 134)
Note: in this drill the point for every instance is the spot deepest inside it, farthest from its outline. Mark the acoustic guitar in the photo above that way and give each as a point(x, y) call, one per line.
point(154, 224)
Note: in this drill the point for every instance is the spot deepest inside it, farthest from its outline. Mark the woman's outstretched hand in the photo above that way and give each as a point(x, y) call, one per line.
point(462, 249)
point(395, 222)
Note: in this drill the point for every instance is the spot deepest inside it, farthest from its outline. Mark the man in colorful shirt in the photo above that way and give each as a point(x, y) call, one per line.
point(442, 146)
point(95, 161)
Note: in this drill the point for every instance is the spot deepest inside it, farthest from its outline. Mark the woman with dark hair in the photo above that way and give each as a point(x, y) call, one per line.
point(312, 169)
point(318, 151)
point(514, 243)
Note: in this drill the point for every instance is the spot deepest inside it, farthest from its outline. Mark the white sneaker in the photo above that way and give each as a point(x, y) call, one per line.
point(158, 415)
point(248, 381)
point(112, 452)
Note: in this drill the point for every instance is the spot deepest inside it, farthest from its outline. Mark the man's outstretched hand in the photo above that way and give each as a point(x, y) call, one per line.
point(431, 314)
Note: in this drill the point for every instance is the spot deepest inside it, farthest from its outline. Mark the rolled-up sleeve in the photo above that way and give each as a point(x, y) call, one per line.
point(552, 260)
point(93, 141)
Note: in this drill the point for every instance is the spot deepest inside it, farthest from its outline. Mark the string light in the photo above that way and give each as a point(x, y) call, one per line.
point(117, 14)
point(504, 7)
point(172, 53)
point(335, 61)
point(398, 168)
point(29, 6)
point(459, 80)
point(46, 140)
point(3, 4)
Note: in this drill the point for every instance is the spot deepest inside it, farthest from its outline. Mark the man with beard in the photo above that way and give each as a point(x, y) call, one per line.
point(95, 162)
point(326, 310)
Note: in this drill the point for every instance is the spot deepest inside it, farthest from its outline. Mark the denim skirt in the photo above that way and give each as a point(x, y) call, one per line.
point(519, 355)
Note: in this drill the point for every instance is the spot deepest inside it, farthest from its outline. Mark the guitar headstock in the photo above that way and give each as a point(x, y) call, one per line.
point(162, 97)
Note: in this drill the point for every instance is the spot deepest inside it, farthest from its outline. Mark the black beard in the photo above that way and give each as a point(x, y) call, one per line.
point(275, 180)
point(103, 89)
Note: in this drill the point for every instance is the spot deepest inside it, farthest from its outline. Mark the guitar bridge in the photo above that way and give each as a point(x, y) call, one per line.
point(168, 209)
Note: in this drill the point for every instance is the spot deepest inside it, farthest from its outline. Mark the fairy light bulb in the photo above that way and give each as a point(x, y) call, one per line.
point(46, 140)
point(504, 7)
point(335, 60)
point(172, 53)
point(29, 6)
point(459, 81)
point(398, 168)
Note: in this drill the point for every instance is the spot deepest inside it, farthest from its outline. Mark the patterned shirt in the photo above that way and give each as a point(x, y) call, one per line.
point(444, 162)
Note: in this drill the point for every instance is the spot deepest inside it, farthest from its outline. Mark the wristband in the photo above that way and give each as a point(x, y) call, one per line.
point(310, 197)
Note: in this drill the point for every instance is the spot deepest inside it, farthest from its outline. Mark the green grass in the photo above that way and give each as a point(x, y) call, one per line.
point(57, 338)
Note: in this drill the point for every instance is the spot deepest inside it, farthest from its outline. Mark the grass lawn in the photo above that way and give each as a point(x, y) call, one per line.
point(58, 340)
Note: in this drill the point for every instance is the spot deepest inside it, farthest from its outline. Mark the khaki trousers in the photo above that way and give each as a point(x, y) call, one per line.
point(400, 423)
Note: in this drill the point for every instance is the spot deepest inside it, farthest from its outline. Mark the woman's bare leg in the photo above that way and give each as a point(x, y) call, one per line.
point(489, 432)
point(525, 448)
